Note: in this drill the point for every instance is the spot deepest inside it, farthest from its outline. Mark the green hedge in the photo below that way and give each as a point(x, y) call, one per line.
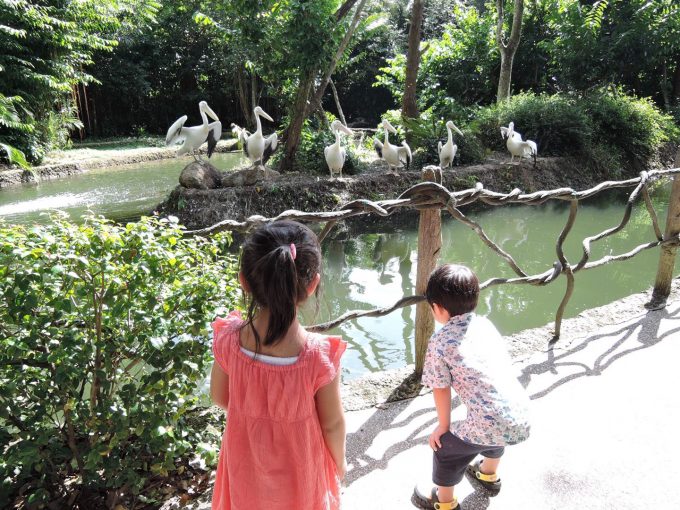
point(104, 339)
point(609, 129)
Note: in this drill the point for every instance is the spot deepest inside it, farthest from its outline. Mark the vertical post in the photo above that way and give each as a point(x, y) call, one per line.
point(664, 274)
point(429, 246)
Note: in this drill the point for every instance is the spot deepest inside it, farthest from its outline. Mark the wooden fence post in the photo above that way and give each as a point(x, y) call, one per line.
point(664, 274)
point(429, 246)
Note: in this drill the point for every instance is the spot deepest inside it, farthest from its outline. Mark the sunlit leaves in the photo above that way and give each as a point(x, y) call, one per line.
point(121, 309)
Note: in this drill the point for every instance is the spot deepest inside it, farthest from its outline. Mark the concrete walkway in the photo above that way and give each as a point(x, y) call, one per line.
point(606, 418)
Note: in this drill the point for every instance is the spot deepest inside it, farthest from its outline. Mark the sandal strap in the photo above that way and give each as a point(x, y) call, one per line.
point(486, 478)
point(446, 506)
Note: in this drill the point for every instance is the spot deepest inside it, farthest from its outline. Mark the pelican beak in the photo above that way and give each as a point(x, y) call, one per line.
point(388, 127)
point(458, 131)
point(212, 114)
point(345, 129)
point(263, 114)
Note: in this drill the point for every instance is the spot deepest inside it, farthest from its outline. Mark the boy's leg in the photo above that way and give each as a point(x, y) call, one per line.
point(489, 465)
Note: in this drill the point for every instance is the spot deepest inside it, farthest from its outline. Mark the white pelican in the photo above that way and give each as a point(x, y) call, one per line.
point(393, 155)
point(448, 151)
point(517, 146)
point(193, 137)
point(256, 146)
point(335, 154)
point(240, 134)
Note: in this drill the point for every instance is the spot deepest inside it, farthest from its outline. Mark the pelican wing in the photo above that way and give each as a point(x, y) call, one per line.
point(377, 144)
point(532, 146)
point(504, 132)
point(175, 132)
point(214, 134)
point(325, 155)
point(439, 149)
point(405, 154)
point(270, 145)
point(245, 145)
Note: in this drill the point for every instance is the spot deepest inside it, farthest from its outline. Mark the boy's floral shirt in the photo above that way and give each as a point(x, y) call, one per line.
point(469, 355)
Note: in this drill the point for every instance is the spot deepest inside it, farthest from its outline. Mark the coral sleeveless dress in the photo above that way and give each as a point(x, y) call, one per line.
point(273, 454)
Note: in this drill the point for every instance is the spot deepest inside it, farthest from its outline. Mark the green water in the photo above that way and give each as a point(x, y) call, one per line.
point(374, 270)
point(120, 192)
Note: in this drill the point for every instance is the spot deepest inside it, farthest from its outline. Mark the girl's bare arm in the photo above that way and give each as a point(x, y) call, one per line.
point(219, 386)
point(332, 420)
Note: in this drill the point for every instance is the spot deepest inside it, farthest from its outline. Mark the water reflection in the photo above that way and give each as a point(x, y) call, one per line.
point(374, 270)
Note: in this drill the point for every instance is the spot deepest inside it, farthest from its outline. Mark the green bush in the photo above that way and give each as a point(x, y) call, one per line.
point(609, 129)
point(103, 341)
point(557, 123)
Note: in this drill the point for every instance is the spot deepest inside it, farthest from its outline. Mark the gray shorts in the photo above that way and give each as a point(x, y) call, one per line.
point(450, 461)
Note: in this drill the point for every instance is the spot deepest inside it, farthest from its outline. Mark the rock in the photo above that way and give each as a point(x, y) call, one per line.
point(200, 175)
point(249, 176)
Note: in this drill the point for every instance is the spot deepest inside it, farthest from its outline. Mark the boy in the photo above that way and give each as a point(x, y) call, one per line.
point(468, 354)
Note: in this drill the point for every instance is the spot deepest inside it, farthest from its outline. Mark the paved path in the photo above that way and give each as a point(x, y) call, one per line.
point(606, 416)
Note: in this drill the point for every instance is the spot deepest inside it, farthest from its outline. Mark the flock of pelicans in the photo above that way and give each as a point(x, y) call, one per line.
point(259, 148)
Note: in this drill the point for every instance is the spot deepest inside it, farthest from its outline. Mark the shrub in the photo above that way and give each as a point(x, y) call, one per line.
point(609, 129)
point(557, 123)
point(103, 340)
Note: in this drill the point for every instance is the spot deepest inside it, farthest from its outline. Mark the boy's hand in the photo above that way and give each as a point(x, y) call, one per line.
point(437, 433)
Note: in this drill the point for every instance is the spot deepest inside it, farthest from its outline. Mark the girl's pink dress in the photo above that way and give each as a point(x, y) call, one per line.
point(273, 454)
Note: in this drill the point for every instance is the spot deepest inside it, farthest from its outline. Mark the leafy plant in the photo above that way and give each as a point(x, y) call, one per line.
point(104, 340)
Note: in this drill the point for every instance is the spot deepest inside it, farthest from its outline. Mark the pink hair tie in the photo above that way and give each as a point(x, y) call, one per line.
point(293, 251)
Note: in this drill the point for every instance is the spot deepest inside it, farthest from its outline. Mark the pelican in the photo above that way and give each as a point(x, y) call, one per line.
point(335, 154)
point(394, 156)
point(256, 146)
point(193, 137)
point(517, 146)
point(448, 151)
point(241, 134)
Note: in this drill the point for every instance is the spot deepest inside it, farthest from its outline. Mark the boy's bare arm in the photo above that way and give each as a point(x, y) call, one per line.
point(442, 402)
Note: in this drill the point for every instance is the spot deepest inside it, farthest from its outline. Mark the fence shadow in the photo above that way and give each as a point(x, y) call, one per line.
point(643, 333)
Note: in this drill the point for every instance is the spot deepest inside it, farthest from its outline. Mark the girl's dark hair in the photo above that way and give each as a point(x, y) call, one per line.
point(275, 280)
point(454, 287)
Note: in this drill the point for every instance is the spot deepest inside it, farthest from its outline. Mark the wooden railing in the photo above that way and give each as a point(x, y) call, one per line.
point(430, 197)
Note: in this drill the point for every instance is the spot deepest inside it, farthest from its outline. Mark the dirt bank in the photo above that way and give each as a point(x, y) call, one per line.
point(201, 208)
point(79, 161)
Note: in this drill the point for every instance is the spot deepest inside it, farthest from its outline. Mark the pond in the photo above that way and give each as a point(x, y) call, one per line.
point(121, 192)
point(372, 270)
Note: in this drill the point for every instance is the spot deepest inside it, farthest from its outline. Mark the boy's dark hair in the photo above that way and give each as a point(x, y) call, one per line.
point(277, 281)
point(454, 287)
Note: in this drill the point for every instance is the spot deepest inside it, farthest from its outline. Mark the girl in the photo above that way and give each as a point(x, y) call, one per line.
point(284, 444)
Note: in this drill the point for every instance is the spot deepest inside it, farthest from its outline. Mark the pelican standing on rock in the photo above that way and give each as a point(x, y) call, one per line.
point(448, 151)
point(258, 148)
point(517, 146)
point(193, 137)
point(393, 155)
point(335, 154)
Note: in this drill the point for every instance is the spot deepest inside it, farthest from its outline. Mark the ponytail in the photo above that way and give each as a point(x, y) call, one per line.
point(279, 261)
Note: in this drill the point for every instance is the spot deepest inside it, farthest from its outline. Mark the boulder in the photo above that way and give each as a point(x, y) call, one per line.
point(200, 175)
point(249, 176)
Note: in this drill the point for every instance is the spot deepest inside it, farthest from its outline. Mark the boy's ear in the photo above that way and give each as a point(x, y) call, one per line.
point(311, 288)
point(243, 282)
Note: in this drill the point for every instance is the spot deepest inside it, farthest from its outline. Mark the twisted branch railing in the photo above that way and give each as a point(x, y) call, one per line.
point(430, 195)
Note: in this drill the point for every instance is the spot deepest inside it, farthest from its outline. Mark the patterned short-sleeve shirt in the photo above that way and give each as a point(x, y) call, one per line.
point(469, 355)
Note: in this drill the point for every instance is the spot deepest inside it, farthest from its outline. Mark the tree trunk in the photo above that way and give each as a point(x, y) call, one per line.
point(509, 48)
point(295, 127)
point(253, 98)
point(664, 87)
point(337, 102)
point(409, 106)
point(243, 95)
point(302, 107)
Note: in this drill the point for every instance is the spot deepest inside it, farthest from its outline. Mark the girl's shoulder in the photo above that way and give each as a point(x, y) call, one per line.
point(325, 352)
point(225, 330)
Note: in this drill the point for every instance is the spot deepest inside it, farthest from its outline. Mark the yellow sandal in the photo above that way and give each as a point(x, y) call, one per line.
point(489, 482)
point(432, 502)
